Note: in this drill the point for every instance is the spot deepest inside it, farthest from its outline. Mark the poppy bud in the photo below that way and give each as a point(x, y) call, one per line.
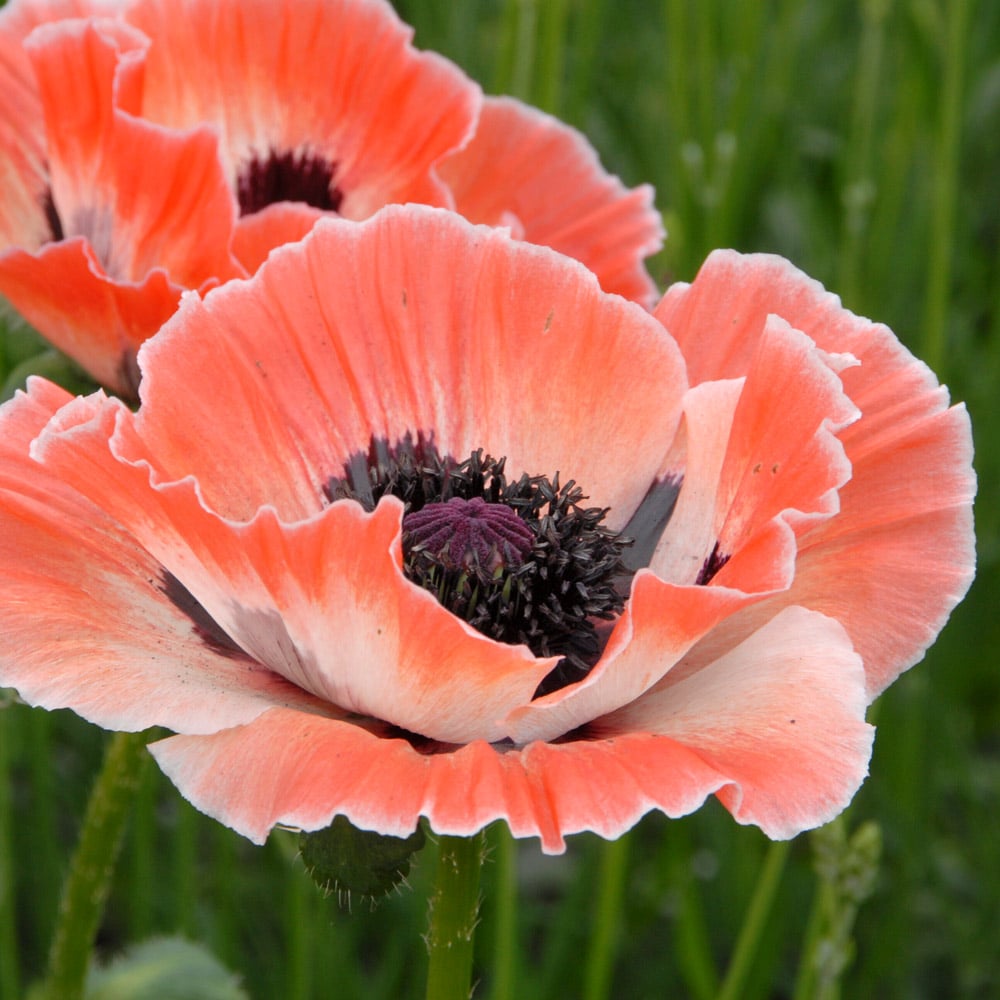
point(346, 860)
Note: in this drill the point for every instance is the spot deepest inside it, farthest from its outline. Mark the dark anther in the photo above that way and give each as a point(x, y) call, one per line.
point(288, 176)
point(711, 566)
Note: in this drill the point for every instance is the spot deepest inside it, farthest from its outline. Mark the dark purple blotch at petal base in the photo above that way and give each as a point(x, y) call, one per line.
point(288, 176)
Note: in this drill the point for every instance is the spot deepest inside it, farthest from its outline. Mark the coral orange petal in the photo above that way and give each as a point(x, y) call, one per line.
point(661, 622)
point(258, 234)
point(308, 769)
point(83, 68)
point(20, 17)
point(740, 729)
point(900, 553)
point(323, 602)
point(783, 454)
point(525, 164)
point(337, 79)
point(62, 291)
point(747, 485)
point(413, 322)
point(719, 317)
point(693, 528)
point(780, 718)
point(92, 621)
point(784, 463)
point(144, 197)
point(23, 177)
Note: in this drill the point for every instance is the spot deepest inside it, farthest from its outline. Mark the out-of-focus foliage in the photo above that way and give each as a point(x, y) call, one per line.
point(861, 141)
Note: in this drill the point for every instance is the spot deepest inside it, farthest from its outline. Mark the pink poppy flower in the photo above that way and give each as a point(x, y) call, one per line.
point(529, 171)
point(363, 545)
point(162, 145)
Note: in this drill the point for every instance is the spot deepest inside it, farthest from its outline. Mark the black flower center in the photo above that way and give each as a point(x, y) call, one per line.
point(288, 176)
point(522, 561)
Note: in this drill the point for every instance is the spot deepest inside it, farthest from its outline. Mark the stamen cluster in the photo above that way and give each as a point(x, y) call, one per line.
point(546, 581)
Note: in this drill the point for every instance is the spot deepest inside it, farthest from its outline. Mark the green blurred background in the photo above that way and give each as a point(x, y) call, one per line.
point(862, 141)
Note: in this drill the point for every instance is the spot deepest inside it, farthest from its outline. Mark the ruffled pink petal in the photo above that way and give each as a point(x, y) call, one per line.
point(414, 322)
point(22, 418)
point(780, 718)
point(757, 459)
point(90, 620)
point(719, 317)
point(256, 235)
point(660, 623)
point(83, 68)
point(306, 769)
point(323, 602)
point(153, 208)
point(527, 167)
point(144, 197)
point(334, 78)
point(776, 730)
point(760, 462)
point(692, 550)
point(783, 455)
point(23, 176)
point(900, 553)
point(19, 18)
point(696, 460)
point(62, 291)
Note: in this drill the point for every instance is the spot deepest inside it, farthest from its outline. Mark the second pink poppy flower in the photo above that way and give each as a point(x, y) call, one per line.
point(152, 146)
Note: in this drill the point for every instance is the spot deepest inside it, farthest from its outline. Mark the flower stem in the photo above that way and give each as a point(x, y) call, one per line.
point(607, 919)
point(9, 968)
point(86, 887)
point(454, 913)
point(504, 901)
point(944, 193)
point(748, 942)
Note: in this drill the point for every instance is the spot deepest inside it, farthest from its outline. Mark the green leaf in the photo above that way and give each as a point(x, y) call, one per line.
point(54, 366)
point(168, 969)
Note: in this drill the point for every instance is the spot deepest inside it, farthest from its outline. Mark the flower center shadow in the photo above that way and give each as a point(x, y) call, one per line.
point(288, 176)
point(521, 561)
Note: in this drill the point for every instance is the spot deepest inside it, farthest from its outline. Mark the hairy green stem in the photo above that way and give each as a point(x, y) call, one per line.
point(299, 926)
point(454, 914)
point(85, 890)
point(505, 907)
